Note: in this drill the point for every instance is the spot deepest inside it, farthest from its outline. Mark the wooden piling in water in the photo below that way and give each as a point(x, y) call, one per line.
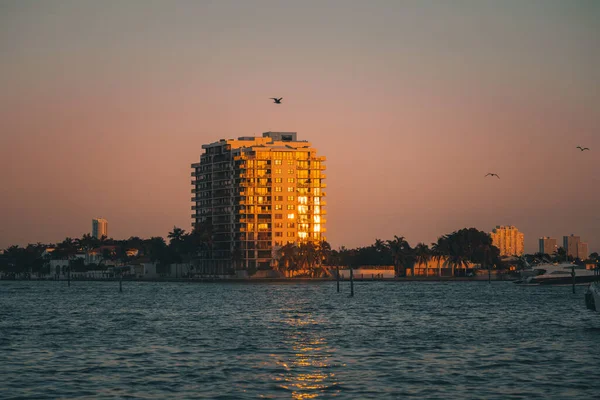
point(573, 275)
point(351, 282)
point(121, 283)
point(69, 277)
point(337, 270)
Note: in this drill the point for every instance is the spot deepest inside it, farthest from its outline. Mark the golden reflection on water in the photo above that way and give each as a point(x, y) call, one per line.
point(307, 375)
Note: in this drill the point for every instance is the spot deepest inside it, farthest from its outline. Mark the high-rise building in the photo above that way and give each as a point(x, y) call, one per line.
point(509, 240)
point(582, 251)
point(575, 247)
point(255, 194)
point(99, 228)
point(548, 245)
point(571, 245)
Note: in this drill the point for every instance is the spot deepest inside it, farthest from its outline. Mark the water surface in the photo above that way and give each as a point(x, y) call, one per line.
point(287, 340)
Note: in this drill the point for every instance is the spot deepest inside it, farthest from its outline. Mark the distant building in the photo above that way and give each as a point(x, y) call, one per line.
point(582, 251)
point(509, 240)
point(571, 245)
point(99, 228)
point(548, 245)
point(575, 247)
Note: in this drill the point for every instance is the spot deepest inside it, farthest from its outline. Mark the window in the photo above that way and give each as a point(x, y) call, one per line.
point(278, 198)
point(278, 206)
point(290, 171)
point(291, 216)
point(290, 189)
point(278, 234)
point(290, 224)
point(278, 188)
point(278, 180)
point(290, 207)
point(291, 234)
point(278, 171)
point(278, 216)
point(290, 180)
point(290, 162)
point(278, 224)
point(290, 198)
point(278, 162)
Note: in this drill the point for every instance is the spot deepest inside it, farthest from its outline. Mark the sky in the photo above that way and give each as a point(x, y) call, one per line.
point(104, 106)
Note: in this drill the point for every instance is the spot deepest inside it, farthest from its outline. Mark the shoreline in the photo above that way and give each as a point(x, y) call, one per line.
point(271, 280)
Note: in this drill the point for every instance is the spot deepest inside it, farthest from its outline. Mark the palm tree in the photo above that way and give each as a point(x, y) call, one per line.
point(176, 235)
point(287, 257)
point(324, 253)
point(400, 250)
point(439, 252)
point(457, 256)
point(380, 249)
point(422, 256)
point(307, 256)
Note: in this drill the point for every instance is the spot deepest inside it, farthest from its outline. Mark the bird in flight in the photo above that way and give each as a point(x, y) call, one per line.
point(276, 100)
point(492, 174)
point(583, 148)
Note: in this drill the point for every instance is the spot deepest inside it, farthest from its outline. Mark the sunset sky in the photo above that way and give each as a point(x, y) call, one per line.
point(105, 104)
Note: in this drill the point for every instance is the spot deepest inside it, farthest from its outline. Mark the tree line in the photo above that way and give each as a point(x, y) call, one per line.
point(456, 250)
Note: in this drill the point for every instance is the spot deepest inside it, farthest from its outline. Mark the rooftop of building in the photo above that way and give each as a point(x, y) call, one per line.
point(267, 138)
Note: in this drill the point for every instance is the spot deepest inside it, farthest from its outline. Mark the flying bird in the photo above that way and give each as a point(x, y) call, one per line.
point(583, 148)
point(276, 100)
point(492, 174)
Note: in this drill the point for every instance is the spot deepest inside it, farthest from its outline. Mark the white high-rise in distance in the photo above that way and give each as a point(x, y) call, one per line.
point(99, 228)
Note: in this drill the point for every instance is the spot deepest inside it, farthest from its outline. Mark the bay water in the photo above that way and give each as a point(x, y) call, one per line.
point(158, 340)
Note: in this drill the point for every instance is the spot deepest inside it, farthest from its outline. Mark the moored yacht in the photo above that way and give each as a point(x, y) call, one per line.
point(557, 274)
point(592, 296)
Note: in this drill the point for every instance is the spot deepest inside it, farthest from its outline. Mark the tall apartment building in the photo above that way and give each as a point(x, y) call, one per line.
point(256, 194)
point(575, 247)
point(99, 228)
point(548, 245)
point(571, 245)
point(509, 240)
point(582, 251)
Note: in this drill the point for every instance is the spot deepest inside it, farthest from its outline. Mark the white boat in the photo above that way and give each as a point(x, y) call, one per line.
point(557, 274)
point(592, 296)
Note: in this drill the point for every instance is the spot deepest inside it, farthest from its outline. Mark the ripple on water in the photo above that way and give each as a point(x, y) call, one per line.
point(302, 341)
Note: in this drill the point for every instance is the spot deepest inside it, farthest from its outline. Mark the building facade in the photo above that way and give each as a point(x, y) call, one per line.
point(575, 247)
point(254, 195)
point(548, 245)
point(99, 228)
point(571, 245)
point(582, 251)
point(509, 240)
